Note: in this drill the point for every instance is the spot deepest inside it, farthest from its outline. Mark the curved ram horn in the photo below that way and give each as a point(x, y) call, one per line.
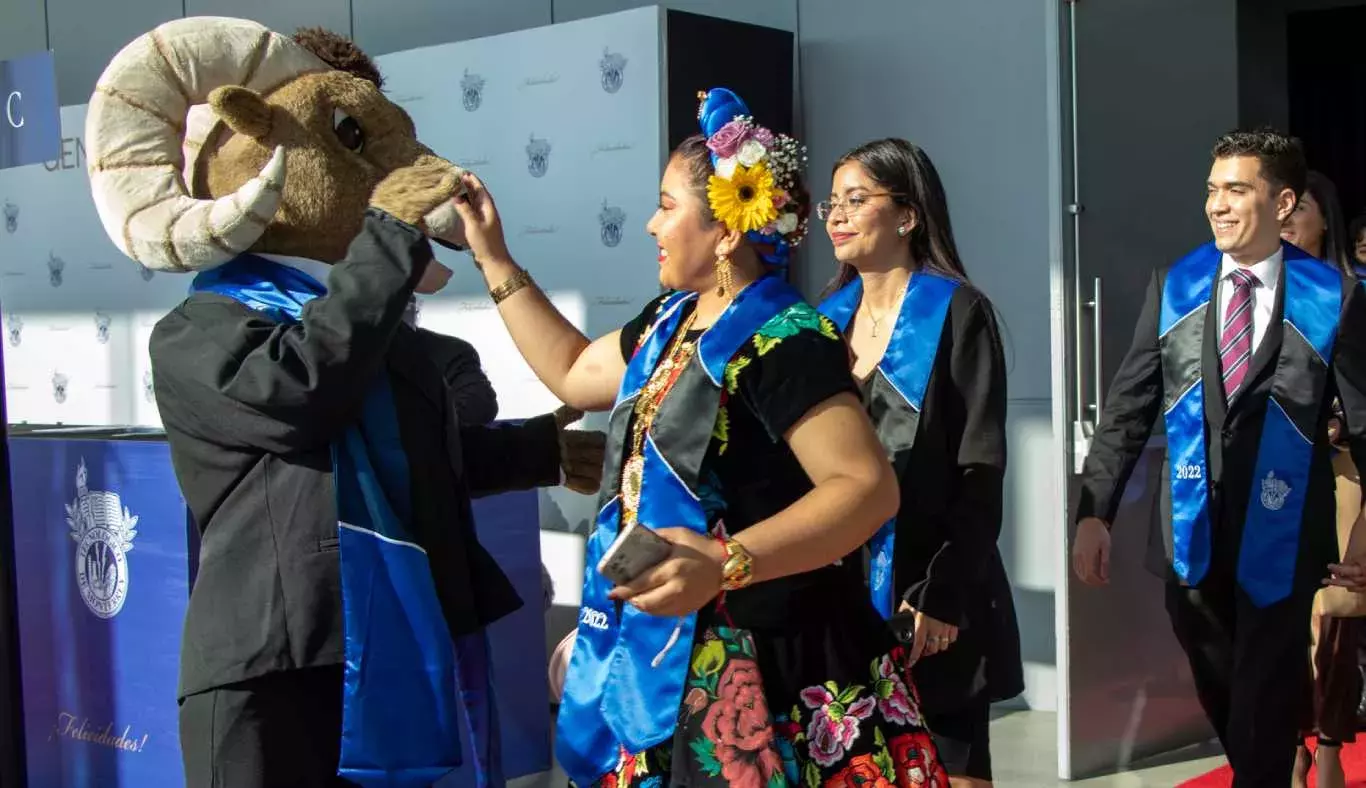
point(136, 125)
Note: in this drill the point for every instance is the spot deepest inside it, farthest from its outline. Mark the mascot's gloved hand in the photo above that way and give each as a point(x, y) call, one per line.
point(581, 453)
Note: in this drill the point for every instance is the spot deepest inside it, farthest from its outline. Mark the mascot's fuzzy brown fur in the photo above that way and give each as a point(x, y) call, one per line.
point(217, 145)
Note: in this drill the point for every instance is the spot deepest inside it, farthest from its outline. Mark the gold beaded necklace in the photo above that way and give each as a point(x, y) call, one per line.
point(676, 358)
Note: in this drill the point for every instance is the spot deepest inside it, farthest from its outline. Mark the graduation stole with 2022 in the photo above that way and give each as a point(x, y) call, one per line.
point(1271, 533)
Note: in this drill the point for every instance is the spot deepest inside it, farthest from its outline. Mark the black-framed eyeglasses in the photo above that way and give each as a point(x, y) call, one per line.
point(848, 206)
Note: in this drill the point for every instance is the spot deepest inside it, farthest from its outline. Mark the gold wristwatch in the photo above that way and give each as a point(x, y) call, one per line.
point(737, 571)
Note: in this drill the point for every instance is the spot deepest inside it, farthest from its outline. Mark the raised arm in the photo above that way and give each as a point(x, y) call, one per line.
point(244, 380)
point(582, 374)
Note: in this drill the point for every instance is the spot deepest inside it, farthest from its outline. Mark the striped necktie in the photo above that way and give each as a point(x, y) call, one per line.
point(1235, 344)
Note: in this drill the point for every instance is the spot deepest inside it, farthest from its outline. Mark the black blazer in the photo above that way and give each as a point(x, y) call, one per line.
point(250, 408)
point(1233, 432)
point(947, 562)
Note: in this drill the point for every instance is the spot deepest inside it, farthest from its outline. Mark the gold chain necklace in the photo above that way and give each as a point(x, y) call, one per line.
point(896, 307)
point(680, 352)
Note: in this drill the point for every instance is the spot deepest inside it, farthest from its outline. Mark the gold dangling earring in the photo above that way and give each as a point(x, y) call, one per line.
point(725, 276)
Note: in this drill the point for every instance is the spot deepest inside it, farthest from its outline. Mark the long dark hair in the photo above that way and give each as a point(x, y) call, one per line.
point(1334, 223)
point(905, 171)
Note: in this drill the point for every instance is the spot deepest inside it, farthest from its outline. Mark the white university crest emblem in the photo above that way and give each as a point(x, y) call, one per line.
point(611, 219)
point(537, 156)
point(472, 91)
point(1274, 492)
point(55, 266)
point(103, 530)
point(11, 217)
point(613, 65)
point(102, 322)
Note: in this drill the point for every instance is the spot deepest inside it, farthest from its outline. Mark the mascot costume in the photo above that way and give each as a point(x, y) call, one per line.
point(335, 633)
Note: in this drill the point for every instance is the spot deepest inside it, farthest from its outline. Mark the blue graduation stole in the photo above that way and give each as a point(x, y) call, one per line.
point(627, 672)
point(404, 676)
point(906, 366)
point(1271, 533)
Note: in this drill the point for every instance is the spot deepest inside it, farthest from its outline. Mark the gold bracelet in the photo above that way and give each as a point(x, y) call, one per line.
point(509, 286)
point(737, 571)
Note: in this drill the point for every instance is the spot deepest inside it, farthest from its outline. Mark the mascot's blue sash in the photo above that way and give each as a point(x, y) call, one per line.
point(404, 674)
point(906, 366)
point(1271, 533)
point(626, 676)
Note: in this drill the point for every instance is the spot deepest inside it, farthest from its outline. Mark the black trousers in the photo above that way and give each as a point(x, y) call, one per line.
point(282, 730)
point(1251, 670)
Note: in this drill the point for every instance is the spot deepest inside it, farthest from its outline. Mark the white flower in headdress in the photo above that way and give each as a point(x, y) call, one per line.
point(725, 168)
point(787, 223)
point(751, 153)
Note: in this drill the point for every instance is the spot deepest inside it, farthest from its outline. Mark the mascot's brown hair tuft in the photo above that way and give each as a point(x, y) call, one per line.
point(339, 52)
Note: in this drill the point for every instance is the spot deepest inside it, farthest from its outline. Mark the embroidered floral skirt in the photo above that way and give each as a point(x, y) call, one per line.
point(736, 728)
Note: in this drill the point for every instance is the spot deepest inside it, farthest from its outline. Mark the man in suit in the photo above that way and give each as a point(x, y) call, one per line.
point(1240, 348)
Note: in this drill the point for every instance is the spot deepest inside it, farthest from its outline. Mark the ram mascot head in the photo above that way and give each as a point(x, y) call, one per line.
point(209, 137)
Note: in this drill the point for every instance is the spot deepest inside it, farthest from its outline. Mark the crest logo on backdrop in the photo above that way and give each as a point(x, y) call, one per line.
point(102, 322)
point(537, 156)
point(613, 65)
point(55, 265)
point(612, 220)
point(59, 384)
point(14, 327)
point(472, 91)
point(103, 530)
point(11, 217)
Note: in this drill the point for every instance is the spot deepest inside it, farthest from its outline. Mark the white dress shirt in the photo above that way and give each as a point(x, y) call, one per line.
point(1268, 273)
point(315, 268)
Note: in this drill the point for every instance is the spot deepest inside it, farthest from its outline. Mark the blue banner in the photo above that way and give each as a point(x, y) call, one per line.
point(30, 118)
point(509, 528)
point(104, 547)
point(103, 582)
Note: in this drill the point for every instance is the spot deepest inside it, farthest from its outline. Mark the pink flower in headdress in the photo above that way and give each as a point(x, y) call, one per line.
point(762, 136)
point(779, 199)
point(727, 140)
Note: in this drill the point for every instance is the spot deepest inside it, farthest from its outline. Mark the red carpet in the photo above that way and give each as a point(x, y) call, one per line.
point(1353, 764)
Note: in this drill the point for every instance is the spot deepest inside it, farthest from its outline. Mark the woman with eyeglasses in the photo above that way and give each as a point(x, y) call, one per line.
point(927, 356)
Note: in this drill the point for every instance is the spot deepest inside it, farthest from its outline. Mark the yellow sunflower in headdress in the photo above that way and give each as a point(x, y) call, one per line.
point(743, 201)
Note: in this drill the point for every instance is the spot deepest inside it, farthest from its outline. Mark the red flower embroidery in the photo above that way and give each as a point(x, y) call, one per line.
point(917, 764)
point(861, 771)
point(739, 725)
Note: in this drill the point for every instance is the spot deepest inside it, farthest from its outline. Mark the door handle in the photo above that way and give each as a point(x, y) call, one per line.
point(1088, 413)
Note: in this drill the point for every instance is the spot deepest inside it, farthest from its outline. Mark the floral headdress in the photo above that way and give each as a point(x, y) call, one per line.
point(754, 175)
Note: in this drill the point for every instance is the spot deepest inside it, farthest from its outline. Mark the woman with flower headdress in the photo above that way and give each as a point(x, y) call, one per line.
point(751, 655)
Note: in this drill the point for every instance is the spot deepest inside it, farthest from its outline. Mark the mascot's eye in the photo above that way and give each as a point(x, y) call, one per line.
point(348, 131)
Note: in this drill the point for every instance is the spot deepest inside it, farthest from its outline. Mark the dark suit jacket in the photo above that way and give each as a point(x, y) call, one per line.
point(1233, 432)
point(250, 408)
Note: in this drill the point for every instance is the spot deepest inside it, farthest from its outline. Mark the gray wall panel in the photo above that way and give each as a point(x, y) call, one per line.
point(382, 26)
point(85, 34)
point(282, 17)
point(24, 28)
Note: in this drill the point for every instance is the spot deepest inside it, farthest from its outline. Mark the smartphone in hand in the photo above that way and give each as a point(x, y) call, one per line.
point(635, 551)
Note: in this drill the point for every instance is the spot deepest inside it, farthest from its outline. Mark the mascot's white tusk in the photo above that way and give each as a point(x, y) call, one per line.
point(234, 223)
